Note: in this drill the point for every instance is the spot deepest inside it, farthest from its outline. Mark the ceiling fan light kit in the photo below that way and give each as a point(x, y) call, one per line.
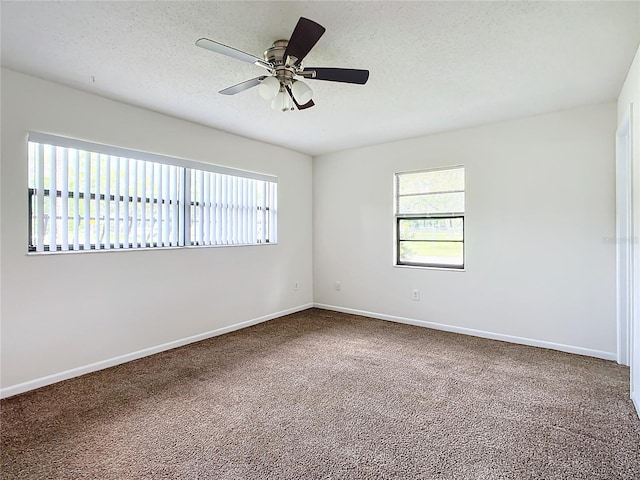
point(283, 61)
point(301, 91)
point(269, 88)
point(282, 101)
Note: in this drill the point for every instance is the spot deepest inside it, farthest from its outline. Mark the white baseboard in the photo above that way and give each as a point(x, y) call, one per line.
point(476, 333)
point(635, 398)
point(111, 362)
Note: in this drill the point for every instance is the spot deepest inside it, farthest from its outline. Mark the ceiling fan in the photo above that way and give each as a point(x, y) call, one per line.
point(283, 61)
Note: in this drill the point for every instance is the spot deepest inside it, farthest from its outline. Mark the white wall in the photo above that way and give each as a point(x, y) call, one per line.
point(630, 95)
point(540, 216)
point(67, 311)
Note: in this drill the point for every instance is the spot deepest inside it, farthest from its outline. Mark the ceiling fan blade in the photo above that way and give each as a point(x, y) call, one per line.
point(345, 75)
point(232, 52)
point(241, 87)
point(304, 37)
point(309, 104)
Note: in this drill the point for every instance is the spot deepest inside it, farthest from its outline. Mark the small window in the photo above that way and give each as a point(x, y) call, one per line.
point(430, 218)
point(84, 196)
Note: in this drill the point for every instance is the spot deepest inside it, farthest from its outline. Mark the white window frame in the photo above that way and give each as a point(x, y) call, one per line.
point(398, 217)
point(180, 203)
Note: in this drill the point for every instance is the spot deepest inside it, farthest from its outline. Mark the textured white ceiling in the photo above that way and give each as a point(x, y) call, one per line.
point(434, 66)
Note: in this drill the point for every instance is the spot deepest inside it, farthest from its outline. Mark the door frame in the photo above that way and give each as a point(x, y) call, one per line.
point(623, 238)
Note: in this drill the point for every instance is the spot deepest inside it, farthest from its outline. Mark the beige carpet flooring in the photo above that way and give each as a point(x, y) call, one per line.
point(324, 395)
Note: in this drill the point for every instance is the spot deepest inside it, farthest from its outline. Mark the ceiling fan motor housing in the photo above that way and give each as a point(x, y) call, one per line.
point(275, 56)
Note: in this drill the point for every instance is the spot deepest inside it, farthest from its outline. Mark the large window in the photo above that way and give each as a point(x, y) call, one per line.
point(429, 216)
point(84, 196)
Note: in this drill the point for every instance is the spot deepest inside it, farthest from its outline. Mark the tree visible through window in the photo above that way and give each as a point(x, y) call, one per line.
point(430, 218)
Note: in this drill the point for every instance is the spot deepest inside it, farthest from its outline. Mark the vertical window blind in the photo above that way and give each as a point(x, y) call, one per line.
point(85, 196)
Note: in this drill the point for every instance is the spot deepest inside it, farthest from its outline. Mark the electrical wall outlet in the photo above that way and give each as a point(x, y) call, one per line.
point(338, 286)
point(415, 295)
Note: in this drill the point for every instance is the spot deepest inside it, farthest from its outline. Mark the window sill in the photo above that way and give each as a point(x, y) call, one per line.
point(446, 269)
point(147, 249)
